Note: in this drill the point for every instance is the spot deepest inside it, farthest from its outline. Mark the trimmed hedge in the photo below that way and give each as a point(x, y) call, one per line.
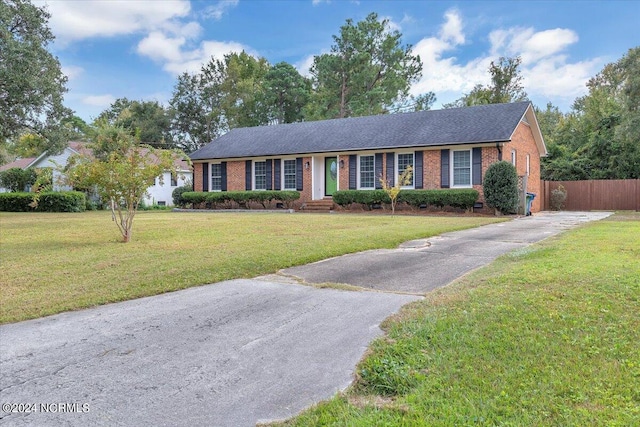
point(241, 198)
point(55, 201)
point(456, 198)
point(368, 198)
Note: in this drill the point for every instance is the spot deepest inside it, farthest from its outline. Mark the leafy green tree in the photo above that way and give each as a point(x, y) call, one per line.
point(506, 86)
point(286, 93)
point(197, 106)
point(148, 120)
point(367, 71)
point(500, 187)
point(600, 137)
point(120, 170)
point(31, 82)
point(17, 179)
point(243, 91)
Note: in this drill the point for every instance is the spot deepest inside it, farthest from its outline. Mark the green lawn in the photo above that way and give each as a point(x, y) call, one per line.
point(57, 262)
point(546, 336)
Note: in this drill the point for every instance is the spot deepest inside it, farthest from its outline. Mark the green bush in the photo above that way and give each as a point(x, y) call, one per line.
point(16, 202)
point(457, 198)
point(177, 195)
point(62, 201)
point(367, 198)
point(501, 187)
point(240, 198)
point(17, 179)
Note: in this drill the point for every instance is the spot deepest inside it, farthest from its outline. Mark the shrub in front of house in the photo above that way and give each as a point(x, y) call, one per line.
point(463, 198)
point(58, 201)
point(243, 199)
point(177, 193)
point(366, 198)
point(456, 198)
point(62, 201)
point(501, 187)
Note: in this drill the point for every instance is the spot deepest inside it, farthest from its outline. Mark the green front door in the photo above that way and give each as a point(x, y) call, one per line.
point(330, 175)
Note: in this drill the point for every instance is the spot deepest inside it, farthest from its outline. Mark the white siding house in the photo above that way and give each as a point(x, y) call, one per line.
point(158, 193)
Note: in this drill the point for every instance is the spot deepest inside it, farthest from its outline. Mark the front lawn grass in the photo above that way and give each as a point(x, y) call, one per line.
point(57, 262)
point(545, 336)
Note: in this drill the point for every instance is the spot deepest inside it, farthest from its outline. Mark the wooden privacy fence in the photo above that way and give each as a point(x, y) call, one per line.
point(597, 194)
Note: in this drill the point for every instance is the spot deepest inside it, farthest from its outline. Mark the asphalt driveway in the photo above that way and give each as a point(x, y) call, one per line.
point(233, 353)
point(229, 354)
point(423, 265)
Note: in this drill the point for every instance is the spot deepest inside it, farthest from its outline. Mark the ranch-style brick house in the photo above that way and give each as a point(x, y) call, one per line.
point(449, 148)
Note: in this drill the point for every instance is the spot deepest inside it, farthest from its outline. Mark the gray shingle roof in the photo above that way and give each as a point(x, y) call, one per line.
point(483, 123)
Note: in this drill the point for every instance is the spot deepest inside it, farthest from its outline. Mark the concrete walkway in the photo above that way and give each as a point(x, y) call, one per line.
point(420, 266)
point(237, 352)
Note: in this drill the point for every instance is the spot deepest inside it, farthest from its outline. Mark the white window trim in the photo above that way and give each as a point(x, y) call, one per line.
point(528, 165)
point(514, 158)
point(282, 180)
point(253, 175)
point(211, 176)
point(397, 170)
point(451, 169)
point(374, 172)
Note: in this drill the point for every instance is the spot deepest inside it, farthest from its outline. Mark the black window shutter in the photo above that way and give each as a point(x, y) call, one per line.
point(299, 181)
point(477, 165)
point(378, 168)
point(444, 168)
point(223, 172)
point(269, 174)
point(353, 172)
point(417, 170)
point(205, 177)
point(277, 173)
point(391, 170)
point(247, 175)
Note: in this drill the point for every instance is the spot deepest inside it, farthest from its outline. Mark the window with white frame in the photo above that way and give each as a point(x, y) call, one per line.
point(216, 177)
point(461, 170)
point(405, 160)
point(513, 157)
point(289, 174)
point(528, 165)
point(174, 180)
point(260, 175)
point(367, 172)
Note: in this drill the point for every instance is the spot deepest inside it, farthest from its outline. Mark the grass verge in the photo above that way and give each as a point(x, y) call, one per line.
point(58, 262)
point(547, 336)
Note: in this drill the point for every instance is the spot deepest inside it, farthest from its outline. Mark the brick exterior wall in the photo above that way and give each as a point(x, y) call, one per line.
point(197, 177)
point(235, 176)
point(431, 169)
point(307, 190)
point(524, 144)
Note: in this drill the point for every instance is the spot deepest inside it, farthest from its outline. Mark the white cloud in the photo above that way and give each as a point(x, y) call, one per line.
point(546, 68)
point(317, 2)
point(451, 30)
point(217, 10)
point(304, 65)
point(99, 100)
point(72, 71)
point(76, 20)
point(393, 26)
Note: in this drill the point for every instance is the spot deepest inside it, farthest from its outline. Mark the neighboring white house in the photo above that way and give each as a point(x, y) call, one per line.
point(160, 194)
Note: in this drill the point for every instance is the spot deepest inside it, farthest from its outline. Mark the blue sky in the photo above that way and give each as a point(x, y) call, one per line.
point(136, 49)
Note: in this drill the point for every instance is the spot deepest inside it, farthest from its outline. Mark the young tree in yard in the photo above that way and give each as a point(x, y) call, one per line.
point(392, 191)
point(31, 82)
point(120, 170)
point(366, 73)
